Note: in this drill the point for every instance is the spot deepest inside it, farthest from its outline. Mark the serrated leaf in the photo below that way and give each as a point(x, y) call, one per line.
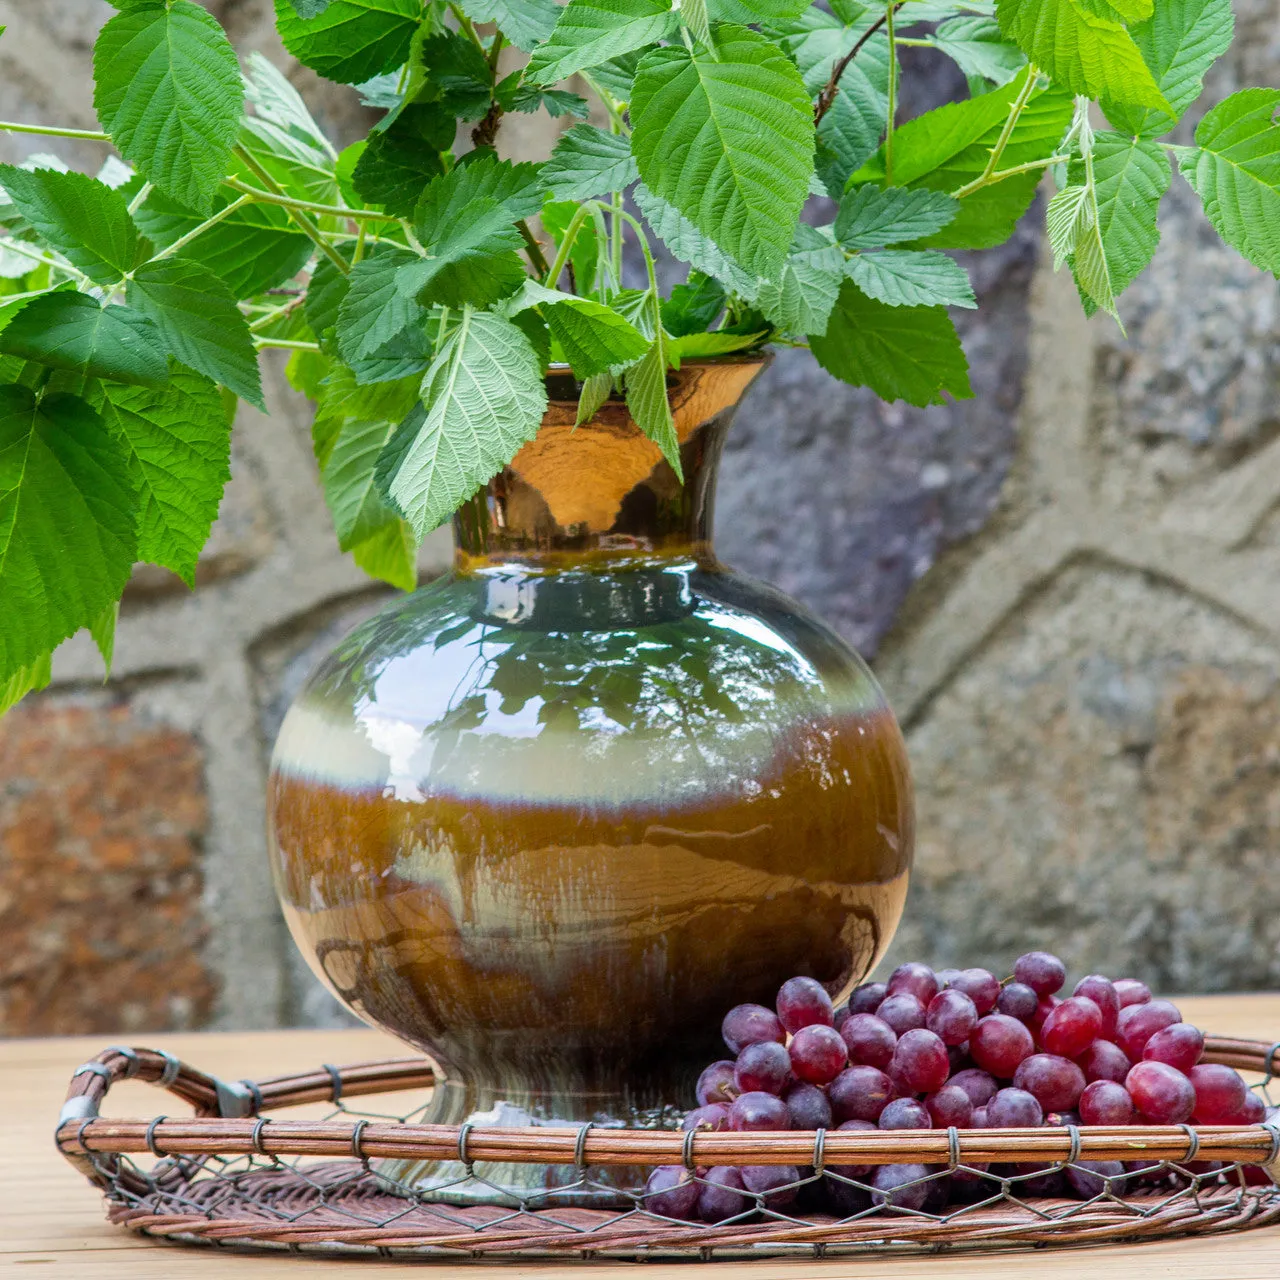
point(749, 11)
point(67, 524)
point(800, 300)
point(1235, 170)
point(693, 306)
point(274, 99)
point(167, 88)
point(646, 389)
point(325, 292)
point(340, 398)
point(373, 310)
point(871, 216)
point(26, 679)
point(729, 142)
point(179, 445)
point(71, 331)
point(593, 337)
point(457, 75)
point(688, 244)
point(400, 160)
point(595, 391)
point(484, 397)
point(901, 353)
point(1084, 46)
point(390, 554)
point(354, 501)
point(525, 23)
point(706, 346)
point(86, 221)
point(693, 14)
point(975, 44)
point(199, 322)
point(102, 630)
point(912, 278)
point(589, 32)
point(309, 8)
point(588, 162)
point(528, 98)
point(1069, 215)
point(409, 352)
point(1179, 42)
point(350, 40)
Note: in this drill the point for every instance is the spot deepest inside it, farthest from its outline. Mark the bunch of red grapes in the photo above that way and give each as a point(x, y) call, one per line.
point(955, 1048)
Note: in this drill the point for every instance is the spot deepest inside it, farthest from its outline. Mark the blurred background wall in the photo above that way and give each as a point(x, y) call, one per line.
point(1070, 587)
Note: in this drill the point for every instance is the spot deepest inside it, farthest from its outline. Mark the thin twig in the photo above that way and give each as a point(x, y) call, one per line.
point(828, 94)
point(533, 248)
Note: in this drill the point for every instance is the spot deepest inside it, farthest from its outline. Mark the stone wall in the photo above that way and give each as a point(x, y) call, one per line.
point(1069, 585)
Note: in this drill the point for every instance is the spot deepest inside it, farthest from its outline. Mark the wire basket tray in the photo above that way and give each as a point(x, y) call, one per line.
point(232, 1175)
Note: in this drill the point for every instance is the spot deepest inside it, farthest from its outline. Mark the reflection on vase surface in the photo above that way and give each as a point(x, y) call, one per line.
point(550, 816)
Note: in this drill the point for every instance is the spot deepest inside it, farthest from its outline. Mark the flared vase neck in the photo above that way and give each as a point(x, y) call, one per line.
point(602, 494)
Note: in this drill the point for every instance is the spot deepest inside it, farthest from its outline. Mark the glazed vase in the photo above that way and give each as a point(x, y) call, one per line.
point(549, 817)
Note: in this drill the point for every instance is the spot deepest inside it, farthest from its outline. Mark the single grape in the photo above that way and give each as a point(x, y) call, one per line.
point(1131, 991)
point(1254, 1110)
point(750, 1112)
point(1139, 1022)
point(866, 998)
point(672, 1192)
point(1220, 1093)
point(803, 1002)
point(869, 1039)
point(1103, 993)
point(999, 1043)
point(859, 1093)
point(809, 1107)
point(1055, 1082)
point(949, 1107)
point(720, 1195)
point(1014, 1109)
point(844, 1200)
point(712, 1117)
point(1072, 1027)
point(917, 978)
point(905, 1113)
point(763, 1068)
point(902, 1185)
point(818, 1054)
point(951, 1016)
point(1103, 1060)
point(1179, 1044)
point(1105, 1102)
point(716, 1083)
point(746, 1024)
point(1044, 1007)
point(980, 985)
point(902, 1011)
point(1042, 972)
point(920, 1062)
point(1018, 1000)
point(979, 1120)
point(1089, 1178)
point(840, 1015)
point(979, 1085)
point(1161, 1092)
point(946, 977)
point(776, 1184)
point(858, 1171)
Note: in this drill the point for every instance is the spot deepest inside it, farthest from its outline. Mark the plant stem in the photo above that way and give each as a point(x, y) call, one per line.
point(276, 313)
point(1001, 174)
point(47, 131)
point(182, 241)
point(287, 344)
point(1015, 110)
point(891, 110)
point(308, 206)
point(141, 198)
point(617, 229)
point(532, 248)
point(828, 94)
point(29, 251)
point(566, 247)
point(610, 103)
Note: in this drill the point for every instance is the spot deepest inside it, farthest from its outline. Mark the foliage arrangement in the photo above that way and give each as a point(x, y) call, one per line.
point(423, 285)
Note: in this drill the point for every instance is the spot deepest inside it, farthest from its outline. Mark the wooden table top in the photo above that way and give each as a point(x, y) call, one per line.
point(51, 1219)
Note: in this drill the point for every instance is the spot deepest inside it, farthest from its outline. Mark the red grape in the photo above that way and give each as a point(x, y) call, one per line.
point(1014, 1109)
point(775, 1183)
point(1131, 991)
point(746, 1024)
point(1103, 993)
point(859, 1093)
point(818, 1054)
point(1105, 1102)
point(901, 1185)
point(869, 1039)
point(1055, 1082)
point(1219, 1093)
point(840, 1016)
point(749, 1112)
point(1042, 972)
point(979, 1085)
point(713, 1117)
point(763, 1068)
point(720, 1195)
point(949, 1107)
point(946, 977)
point(808, 1106)
point(902, 1011)
point(917, 978)
point(1179, 1044)
point(1044, 1007)
point(951, 1015)
point(803, 1002)
point(1254, 1110)
point(1091, 1178)
point(920, 1062)
point(1139, 1022)
point(1103, 1060)
point(866, 998)
point(1072, 1027)
point(716, 1084)
point(905, 1113)
point(1018, 1001)
point(672, 1192)
point(1161, 1092)
point(980, 985)
point(999, 1043)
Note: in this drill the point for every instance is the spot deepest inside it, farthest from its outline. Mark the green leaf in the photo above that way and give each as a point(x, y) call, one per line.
point(688, 244)
point(589, 245)
point(390, 554)
point(179, 446)
point(67, 524)
point(399, 161)
point(975, 44)
point(71, 331)
point(350, 41)
point(309, 8)
point(744, 12)
point(801, 299)
point(693, 306)
point(484, 397)
point(1084, 46)
point(1179, 42)
point(514, 95)
point(325, 292)
point(409, 352)
point(525, 23)
point(693, 15)
point(871, 216)
point(103, 632)
point(704, 346)
point(340, 399)
point(200, 323)
point(647, 400)
point(593, 337)
point(595, 391)
point(901, 353)
point(275, 100)
point(373, 309)
point(167, 88)
point(458, 76)
point(906, 278)
point(86, 221)
point(358, 509)
point(26, 679)
point(590, 32)
point(588, 162)
point(728, 142)
point(1235, 170)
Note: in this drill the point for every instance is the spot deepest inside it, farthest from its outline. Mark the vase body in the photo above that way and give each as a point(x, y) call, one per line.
point(550, 816)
